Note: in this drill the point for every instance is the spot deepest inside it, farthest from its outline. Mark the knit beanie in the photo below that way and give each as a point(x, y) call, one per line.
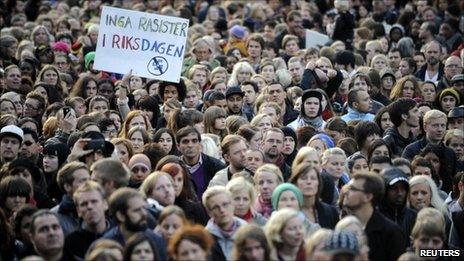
point(325, 138)
point(284, 187)
point(89, 57)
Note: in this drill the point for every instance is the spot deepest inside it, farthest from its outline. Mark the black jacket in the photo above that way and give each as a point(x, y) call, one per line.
point(211, 166)
point(421, 73)
point(194, 211)
point(385, 238)
point(78, 242)
point(311, 81)
point(327, 215)
point(396, 142)
point(405, 218)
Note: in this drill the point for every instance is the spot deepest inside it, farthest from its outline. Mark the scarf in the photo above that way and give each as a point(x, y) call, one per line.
point(264, 208)
point(317, 122)
point(230, 232)
point(248, 216)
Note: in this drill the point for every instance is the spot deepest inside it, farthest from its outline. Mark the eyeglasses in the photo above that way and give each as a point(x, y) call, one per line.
point(352, 188)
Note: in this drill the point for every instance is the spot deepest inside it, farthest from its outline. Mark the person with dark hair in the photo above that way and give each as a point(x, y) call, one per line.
point(378, 163)
point(140, 247)
point(21, 226)
point(365, 192)
point(47, 236)
point(404, 115)
point(14, 193)
point(365, 133)
point(168, 90)
point(127, 206)
point(393, 204)
point(69, 177)
point(359, 106)
point(91, 206)
point(30, 147)
point(150, 106)
point(166, 139)
point(107, 128)
point(201, 167)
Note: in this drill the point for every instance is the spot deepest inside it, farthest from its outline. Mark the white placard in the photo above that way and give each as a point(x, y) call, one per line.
point(315, 39)
point(152, 45)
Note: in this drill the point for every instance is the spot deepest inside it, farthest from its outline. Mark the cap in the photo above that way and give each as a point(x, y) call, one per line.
point(386, 72)
point(237, 31)
point(456, 112)
point(234, 90)
point(342, 242)
point(12, 130)
point(457, 78)
point(60, 46)
point(394, 175)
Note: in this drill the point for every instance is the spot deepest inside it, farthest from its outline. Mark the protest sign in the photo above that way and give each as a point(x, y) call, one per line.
point(152, 45)
point(315, 39)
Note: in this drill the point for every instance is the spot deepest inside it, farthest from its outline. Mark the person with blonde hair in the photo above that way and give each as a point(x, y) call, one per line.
point(316, 243)
point(308, 155)
point(352, 224)
point(158, 189)
point(333, 166)
point(267, 178)
point(262, 121)
point(454, 139)
point(373, 47)
point(243, 196)
point(198, 74)
point(223, 225)
point(423, 192)
point(428, 231)
point(286, 233)
point(242, 72)
point(379, 62)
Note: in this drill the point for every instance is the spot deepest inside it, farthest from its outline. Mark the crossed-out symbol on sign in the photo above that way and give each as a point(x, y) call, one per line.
point(157, 65)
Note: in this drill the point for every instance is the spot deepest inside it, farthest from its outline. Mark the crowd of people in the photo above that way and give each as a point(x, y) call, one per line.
point(268, 148)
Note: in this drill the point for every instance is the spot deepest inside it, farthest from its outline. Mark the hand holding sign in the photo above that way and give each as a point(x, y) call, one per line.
point(150, 44)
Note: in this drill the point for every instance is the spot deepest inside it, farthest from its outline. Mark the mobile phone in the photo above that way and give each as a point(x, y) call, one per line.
point(66, 110)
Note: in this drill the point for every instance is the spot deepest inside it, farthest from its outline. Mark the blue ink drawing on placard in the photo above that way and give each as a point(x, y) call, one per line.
point(157, 65)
